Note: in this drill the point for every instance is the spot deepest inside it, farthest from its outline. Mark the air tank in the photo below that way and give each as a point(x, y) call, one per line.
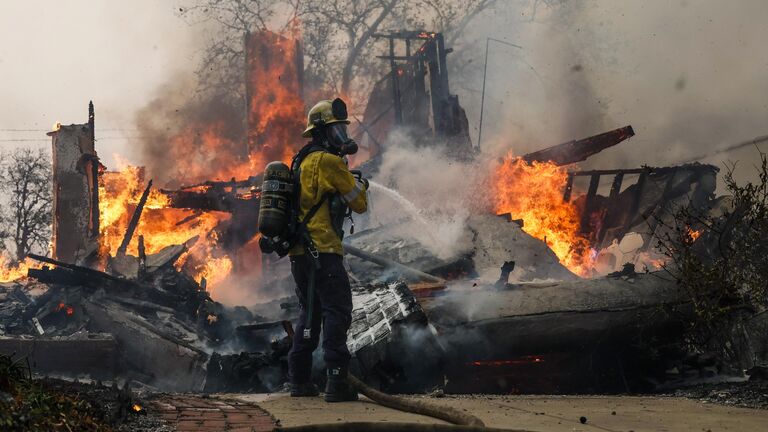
point(276, 197)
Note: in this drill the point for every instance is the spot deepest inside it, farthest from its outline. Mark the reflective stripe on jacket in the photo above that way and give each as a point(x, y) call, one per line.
point(323, 173)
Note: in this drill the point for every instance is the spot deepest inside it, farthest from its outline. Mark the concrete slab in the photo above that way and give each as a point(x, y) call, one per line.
point(539, 413)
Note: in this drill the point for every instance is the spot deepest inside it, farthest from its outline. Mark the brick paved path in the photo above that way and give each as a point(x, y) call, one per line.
point(198, 414)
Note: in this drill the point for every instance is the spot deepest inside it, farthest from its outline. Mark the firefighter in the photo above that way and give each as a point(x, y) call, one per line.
point(328, 190)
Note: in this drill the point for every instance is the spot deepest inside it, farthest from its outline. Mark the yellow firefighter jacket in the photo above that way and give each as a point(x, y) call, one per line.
point(323, 173)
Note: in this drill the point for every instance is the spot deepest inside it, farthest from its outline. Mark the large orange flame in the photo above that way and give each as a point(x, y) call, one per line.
point(533, 192)
point(10, 271)
point(213, 150)
point(119, 193)
point(275, 106)
point(161, 226)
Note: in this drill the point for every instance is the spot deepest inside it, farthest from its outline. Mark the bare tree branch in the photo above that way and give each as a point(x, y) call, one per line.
point(26, 181)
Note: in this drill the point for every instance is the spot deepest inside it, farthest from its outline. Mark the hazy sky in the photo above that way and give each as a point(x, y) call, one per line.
point(688, 75)
point(55, 56)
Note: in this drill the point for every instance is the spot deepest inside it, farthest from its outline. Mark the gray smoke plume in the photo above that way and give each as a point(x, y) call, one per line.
point(691, 77)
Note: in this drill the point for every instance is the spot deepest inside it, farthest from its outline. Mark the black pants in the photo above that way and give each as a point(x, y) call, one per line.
point(332, 309)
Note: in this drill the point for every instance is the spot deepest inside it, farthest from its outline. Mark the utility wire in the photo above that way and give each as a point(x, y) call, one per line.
point(485, 74)
point(753, 142)
point(48, 130)
point(48, 140)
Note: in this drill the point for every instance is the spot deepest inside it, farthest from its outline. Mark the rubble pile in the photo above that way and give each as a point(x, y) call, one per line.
point(144, 320)
point(135, 313)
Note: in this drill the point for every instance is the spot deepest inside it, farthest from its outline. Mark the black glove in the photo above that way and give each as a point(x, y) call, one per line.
point(266, 245)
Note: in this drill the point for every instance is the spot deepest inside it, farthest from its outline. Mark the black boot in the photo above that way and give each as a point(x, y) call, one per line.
point(337, 388)
point(306, 389)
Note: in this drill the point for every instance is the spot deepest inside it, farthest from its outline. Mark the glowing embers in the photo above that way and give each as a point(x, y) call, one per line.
point(65, 308)
point(533, 192)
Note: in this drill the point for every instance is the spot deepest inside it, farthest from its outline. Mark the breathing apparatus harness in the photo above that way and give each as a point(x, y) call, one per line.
point(338, 212)
point(327, 123)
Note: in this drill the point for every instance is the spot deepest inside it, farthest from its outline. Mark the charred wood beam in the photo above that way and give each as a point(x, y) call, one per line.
point(579, 150)
point(252, 181)
point(213, 199)
point(649, 170)
point(613, 204)
point(395, 84)
point(94, 178)
point(58, 276)
point(182, 367)
point(134, 220)
point(568, 188)
point(142, 257)
point(594, 182)
point(658, 211)
point(143, 304)
point(387, 263)
point(76, 268)
point(629, 222)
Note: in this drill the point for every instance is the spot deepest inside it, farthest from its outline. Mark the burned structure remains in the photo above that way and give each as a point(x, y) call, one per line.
point(501, 313)
point(76, 192)
point(415, 95)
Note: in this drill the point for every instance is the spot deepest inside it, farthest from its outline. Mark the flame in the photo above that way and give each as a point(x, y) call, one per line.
point(275, 108)
point(206, 150)
point(650, 261)
point(10, 271)
point(119, 193)
point(160, 225)
point(212, 150)
point(56, 126)
point(136, 408)
point(534, 193)
point(214, 271)
point(691, 234)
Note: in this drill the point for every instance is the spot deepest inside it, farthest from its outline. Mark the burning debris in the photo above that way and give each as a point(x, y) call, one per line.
point(136, 284)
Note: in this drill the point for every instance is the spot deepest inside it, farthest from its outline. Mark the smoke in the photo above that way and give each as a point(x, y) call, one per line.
point(190, 138)
point(444, 193)
point(689, 76)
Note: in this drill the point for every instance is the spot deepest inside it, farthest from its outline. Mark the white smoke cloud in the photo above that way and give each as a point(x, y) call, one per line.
point(441, 192)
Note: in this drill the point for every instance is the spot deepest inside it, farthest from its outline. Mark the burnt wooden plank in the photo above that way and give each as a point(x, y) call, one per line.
point(658, 211)
point(134, 220)
point(613, 203)
point(594, 183)
point(579, 150)
point(568, 188)
point(629, 221)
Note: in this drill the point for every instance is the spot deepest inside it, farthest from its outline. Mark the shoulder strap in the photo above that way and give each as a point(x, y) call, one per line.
point(295, 170)
point(313, 210)
point(303, 153)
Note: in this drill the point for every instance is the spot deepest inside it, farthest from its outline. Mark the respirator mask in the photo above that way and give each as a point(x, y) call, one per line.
point(338, 139)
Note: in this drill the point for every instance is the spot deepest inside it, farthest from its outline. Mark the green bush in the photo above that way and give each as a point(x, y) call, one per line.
point(26, 405)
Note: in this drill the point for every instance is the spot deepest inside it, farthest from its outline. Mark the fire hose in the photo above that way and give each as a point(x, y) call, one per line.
point(460, 421)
